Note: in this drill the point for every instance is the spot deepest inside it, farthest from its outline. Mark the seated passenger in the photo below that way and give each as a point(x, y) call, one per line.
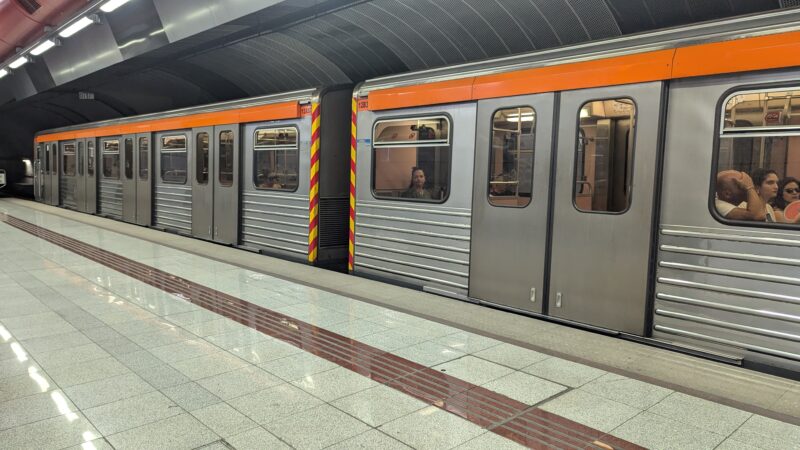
point(500, 187)
point(736, 188)
point(788, 192)
point(417, 187)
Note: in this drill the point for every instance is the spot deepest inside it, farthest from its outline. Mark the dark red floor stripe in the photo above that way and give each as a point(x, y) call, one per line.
point(507, 417)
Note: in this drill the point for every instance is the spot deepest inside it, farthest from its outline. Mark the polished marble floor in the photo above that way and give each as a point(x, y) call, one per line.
point(195, 353)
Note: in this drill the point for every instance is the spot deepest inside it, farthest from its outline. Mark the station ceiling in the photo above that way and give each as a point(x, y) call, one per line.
point(153, 55)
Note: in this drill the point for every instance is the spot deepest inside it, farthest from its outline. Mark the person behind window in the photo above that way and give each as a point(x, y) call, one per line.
point(736, 188)
point(788, 192)
point(417, 189)
point(766, 183)
point(501, 187)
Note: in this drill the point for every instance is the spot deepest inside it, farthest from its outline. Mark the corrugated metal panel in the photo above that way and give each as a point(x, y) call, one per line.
point(67, 189)
point(275, 221)
point(333, 221)
point(110, 198)
point(173, 207)
point(729, 289)
point(427, 244)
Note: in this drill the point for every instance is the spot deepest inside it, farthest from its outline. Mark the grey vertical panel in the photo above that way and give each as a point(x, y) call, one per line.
point(202, 193)
point(600, 261)
point(68, 191)
point(110, 198)
point(144, 191)
point(734, 289)
point(226, 198)
point(424, 245)
point(128, 166)
point(276, 222)
point(91, 180)
point(509, 244)
point(55, 173)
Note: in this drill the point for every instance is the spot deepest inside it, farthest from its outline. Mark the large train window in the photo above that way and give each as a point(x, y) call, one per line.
point(276, 159)
point(68, 156)
point(201, 166)
point(225, 158)
point(604, 156)
point(128, 158)
point(144, 158)
point(111, 159)
point(173, 159)
point(90, 157)
point(511, 158)
point(411, 159)
point(758, 159)
point(47, 159)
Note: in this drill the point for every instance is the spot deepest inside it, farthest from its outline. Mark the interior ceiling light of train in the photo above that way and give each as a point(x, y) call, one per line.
point(141, 56)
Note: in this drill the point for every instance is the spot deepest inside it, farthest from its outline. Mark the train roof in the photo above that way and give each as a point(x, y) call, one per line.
point(299, 97)
point(703, 33)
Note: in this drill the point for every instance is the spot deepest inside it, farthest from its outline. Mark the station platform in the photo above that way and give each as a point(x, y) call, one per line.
point(118, 336)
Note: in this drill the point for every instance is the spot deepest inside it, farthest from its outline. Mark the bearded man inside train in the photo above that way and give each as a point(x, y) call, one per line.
point(737, 197)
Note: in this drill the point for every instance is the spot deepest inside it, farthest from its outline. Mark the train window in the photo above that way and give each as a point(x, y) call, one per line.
point(511, 157)
point(80, 158)
point(144, 158)
point(757, 165)
point(128, 158)
point(90, 158)
point(173, 159)
point(201, 169)
point(276, 159)
point(47, 159)
point(604, 156)
point(111, 159)
point(225, 165)
point(68, 157)
point(411, 159)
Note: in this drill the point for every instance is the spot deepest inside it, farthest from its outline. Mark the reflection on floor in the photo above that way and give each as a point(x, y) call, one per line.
point(167, 349)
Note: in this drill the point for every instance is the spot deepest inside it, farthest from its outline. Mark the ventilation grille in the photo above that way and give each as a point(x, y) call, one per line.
point(29, 5)
point(333, 221)
point(789, 3)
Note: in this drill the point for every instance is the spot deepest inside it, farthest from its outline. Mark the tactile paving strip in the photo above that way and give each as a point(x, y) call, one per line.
point(524, 424)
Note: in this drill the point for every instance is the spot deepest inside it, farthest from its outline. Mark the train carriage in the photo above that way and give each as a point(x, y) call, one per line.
point(266, 174)
point(580, 185)
point(603, 185)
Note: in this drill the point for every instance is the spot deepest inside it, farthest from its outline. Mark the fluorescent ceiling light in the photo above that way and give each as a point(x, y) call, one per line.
point(19, 62)
point(75, 27)
point(43, 47)
point(112, 5)
point(3, 72)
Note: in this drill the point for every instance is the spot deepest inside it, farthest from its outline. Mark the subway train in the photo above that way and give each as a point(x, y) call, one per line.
point(580, 184)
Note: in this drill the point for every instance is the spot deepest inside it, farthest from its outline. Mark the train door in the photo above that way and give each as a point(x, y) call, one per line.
point(144, 192)
point(510, 201)
point(202, 191)
point(128, 179)
point(38, 173)
point(55, 172)
point(80, 175)
point(226, 184)
point(91, 176)
point(603, 206)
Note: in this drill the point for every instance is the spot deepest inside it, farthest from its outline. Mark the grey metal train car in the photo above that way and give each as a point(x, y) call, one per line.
point(594, 185)
point(640, 186)
point(266, 174)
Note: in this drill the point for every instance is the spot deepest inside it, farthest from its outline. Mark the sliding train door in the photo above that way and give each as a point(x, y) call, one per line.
point(55, 172)
point(215, 186)
point(38, 172)
point(91, 176)
point(128, 179)
point(603, 206)
point(510, 201)
point(202, 191)
point(80, 178)
point(144, 191)
point(226, 184)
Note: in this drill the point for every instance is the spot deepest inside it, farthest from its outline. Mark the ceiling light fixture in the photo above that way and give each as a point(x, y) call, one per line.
point(112, 5)
point(43, 47)
point(19, 62)
point(3, 72)
point(82, 23)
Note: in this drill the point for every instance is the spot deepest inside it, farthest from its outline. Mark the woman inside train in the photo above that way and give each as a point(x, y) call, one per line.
point(417, 187)
point(766, 184)
point(788, 192)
